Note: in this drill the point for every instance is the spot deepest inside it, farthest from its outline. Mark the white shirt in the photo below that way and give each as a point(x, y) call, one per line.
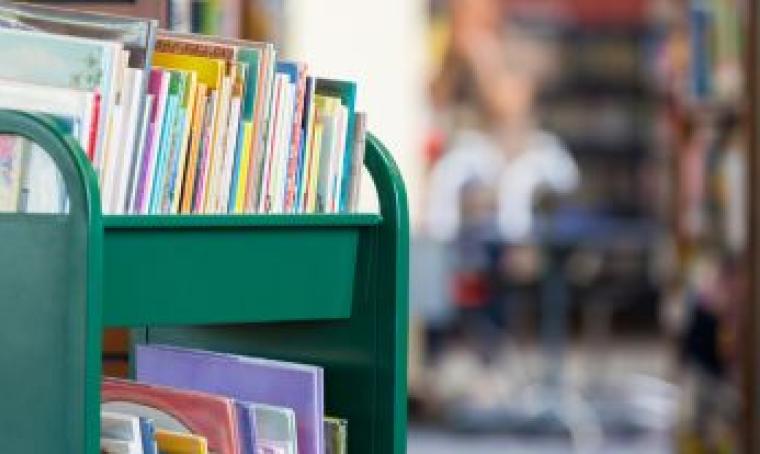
point(475, 157)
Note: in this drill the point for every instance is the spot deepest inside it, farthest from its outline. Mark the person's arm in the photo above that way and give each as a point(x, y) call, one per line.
point(448, 177)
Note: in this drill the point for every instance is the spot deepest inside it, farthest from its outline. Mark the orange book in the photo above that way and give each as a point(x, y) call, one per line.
point(191, 168)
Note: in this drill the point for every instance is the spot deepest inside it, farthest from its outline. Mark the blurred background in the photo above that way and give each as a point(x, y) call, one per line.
point(578, 179)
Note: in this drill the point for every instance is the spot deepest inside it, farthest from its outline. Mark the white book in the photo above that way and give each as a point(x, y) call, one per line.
point(219, 147)
point(276, 427)
point(338, 156)
point(151, 156)
point(120, 433)
point(279, 150)
point(69, 62)
point(128, 148)
point(11, 161)
point(137, 161)
point(42, 188)
point(287, 139)
point(204, 169)
point(229, 155)
point(325, 163)
point(265, 202)
point(115, 129)
point(61, 102)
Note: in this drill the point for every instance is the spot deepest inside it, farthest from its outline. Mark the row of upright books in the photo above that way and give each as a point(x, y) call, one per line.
point(175, 123)
point(197, 402)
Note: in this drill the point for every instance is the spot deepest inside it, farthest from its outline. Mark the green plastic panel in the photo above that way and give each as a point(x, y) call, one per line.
point(50, 304)
point(175, 270)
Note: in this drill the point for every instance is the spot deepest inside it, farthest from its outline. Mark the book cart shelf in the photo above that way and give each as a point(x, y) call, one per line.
point(329, 290)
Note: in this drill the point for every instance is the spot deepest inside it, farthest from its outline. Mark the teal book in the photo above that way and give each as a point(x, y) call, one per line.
point(176, 89)
point(346, 92)
point(252, 57)
point(246, 72)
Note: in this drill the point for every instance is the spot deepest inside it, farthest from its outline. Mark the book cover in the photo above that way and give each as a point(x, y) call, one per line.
point(336, 436)
point(357, 164)
point(247, 428)
point(140, 154)
point(296, 386)
point(158, 88)
point(269, 155)
point(297, 75)
point(201, 179)
point(148, 433)
point(120, 433)
point(209, 416)
point(262, 130)
point(304, 157)
point(194, 150)
point(316, 152)
point(278, 184)
point(189, 107)
point(11, 154)
point(168, 131)
point(346, 92)
point(276, 426)
point(180, 443)
point(327, 109)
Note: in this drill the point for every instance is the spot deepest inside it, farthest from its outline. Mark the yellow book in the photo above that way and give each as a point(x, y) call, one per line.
point(316, 149)
point(178, 443)
point(307, 156)
point(194, 150)
point(245, 159)
point(210, 70)
point(326, 107)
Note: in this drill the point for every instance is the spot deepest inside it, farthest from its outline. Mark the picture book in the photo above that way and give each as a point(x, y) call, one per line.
point(210, 416)
point(120, 433)
point(180, 443)
point(263, 381)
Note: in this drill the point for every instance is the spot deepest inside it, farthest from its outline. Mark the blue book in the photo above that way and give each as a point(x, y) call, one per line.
point(176, 89)
point(148, 434)
point(247, 427)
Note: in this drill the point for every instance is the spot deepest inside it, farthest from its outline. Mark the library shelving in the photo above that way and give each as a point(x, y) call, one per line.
point(330, 290)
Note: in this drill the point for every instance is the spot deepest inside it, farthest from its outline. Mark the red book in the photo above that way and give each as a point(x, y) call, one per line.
point(92, 144)
point(207, 415)
point(295, 142)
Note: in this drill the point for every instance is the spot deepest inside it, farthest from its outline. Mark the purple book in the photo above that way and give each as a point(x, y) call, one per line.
point(296, 386)
point(247, 424)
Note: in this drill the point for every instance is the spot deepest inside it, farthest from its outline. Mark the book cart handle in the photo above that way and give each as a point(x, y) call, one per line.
point(392, 292)
point(50, 298)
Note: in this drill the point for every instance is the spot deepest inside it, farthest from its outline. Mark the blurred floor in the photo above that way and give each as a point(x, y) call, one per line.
point(630, 373)
point(431, 441)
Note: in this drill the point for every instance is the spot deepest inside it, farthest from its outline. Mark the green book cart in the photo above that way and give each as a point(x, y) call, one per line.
point(330, 290)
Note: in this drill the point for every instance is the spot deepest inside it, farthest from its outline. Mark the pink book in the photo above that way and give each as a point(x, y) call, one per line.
point(212, 417)
point(158, 87)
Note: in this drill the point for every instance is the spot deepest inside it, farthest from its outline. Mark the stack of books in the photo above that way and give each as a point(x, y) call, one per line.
point(175, 123)
point(192, 401)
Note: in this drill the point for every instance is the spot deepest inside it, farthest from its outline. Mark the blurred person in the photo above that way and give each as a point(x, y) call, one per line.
point(482, 191)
